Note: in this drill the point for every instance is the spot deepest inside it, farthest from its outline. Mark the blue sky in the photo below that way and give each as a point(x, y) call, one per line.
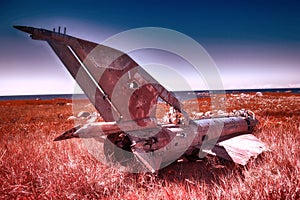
point(255, 44)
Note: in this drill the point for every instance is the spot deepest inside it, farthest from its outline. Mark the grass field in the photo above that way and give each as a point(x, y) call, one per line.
point(32, 166)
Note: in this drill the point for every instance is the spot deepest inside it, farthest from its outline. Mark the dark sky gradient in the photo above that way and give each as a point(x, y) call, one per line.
point(254, 44)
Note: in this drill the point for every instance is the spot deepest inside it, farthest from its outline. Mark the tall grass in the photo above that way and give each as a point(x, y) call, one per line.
point(33, 166)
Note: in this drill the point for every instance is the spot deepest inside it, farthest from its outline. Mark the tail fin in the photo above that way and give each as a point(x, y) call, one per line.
point(116, 85)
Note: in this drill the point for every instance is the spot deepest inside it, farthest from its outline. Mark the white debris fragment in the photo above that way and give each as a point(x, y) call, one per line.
point(83, 114)
point(258, 94)
point(71, 118)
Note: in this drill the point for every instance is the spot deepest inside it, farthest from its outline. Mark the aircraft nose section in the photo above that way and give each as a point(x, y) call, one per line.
point(26, 29)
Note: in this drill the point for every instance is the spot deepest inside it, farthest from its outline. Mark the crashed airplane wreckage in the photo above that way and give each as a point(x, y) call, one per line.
point(132, 126)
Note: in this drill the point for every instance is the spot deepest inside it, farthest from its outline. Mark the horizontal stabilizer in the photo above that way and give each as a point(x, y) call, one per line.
point(91, 130)
point(238, 149)
point(68, 134)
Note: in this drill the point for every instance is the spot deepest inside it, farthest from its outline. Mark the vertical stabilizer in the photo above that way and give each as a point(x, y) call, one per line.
point(117, 86)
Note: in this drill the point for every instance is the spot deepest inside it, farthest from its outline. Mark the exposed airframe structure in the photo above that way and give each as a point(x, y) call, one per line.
point(110, 77)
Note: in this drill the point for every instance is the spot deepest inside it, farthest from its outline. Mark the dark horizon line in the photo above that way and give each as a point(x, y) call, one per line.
point(226, 90)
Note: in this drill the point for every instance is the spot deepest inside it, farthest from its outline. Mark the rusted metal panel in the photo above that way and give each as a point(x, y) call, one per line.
point(88, 86)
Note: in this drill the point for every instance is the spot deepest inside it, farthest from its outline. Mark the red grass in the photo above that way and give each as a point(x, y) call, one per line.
point(33, 166)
